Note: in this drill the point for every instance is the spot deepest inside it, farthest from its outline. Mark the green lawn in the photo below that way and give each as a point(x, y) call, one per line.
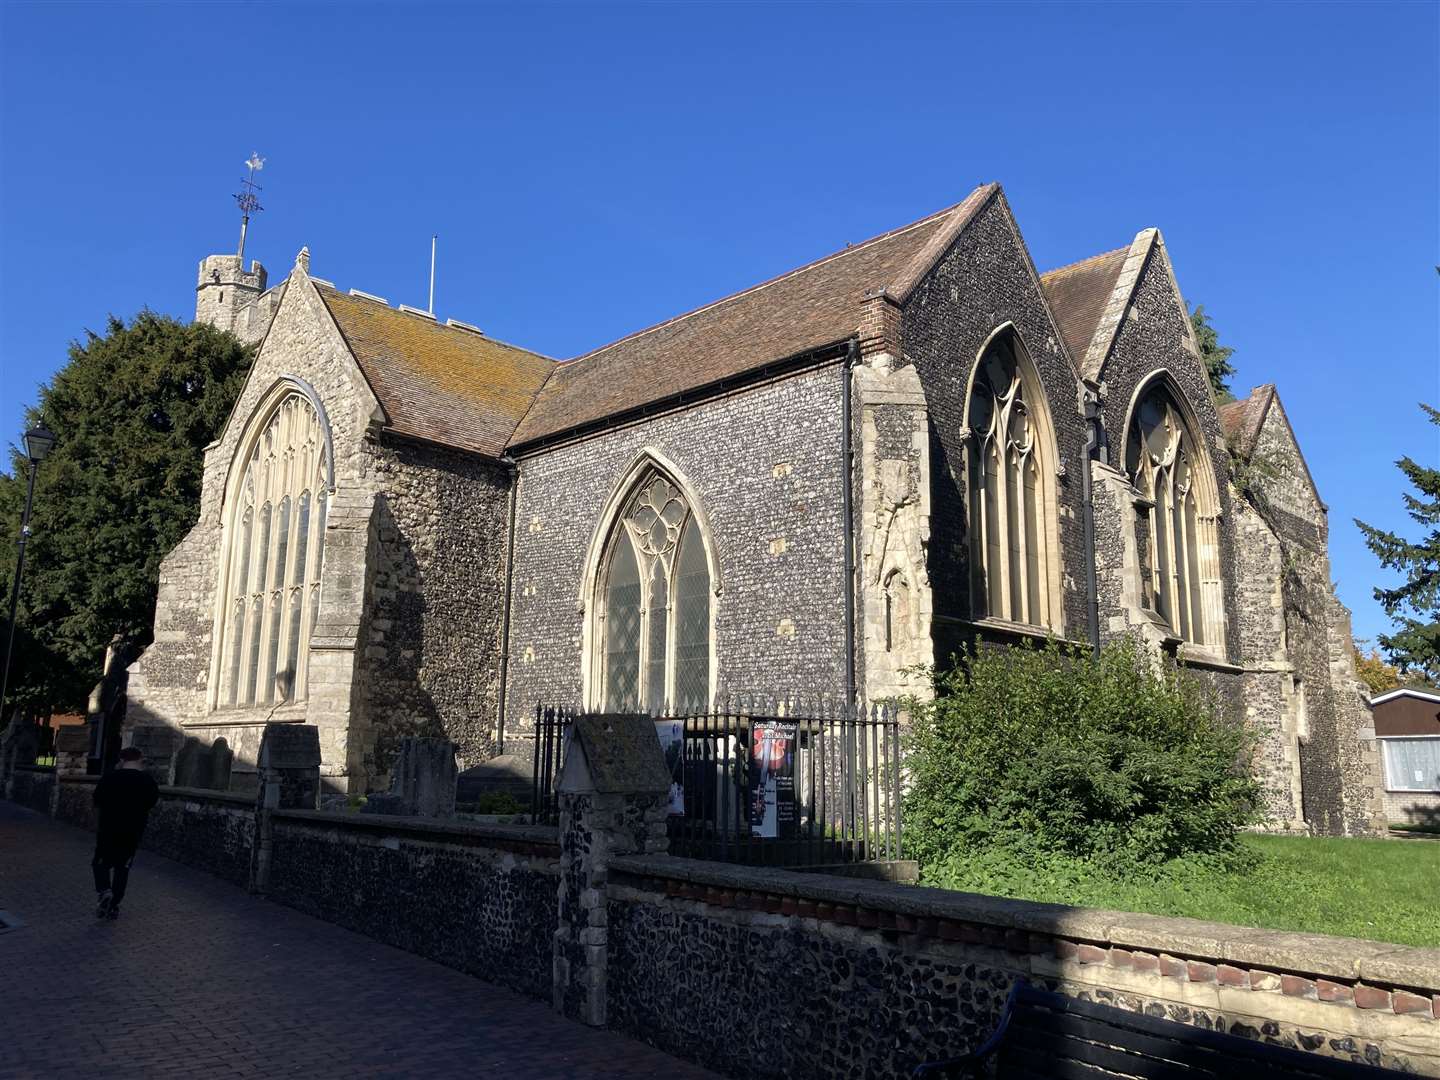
point(1387, 890)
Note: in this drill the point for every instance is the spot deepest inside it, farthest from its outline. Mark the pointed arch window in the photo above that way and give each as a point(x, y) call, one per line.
point(270, 577)
point(653, 612)
point(1013, 541)
point(1176, 517)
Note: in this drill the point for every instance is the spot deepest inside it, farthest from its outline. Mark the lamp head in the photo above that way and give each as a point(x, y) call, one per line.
point(38, 442)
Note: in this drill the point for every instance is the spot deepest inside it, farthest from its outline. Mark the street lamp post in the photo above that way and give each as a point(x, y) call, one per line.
point(38, 441)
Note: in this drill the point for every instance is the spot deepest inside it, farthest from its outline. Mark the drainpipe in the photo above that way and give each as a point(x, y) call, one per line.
point(1090, 406)
point(512, 468)
point(847, 446)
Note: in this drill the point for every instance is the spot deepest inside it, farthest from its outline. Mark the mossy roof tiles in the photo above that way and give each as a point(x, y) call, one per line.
point(437, 383)
point(816, 305)
point(1078, 294)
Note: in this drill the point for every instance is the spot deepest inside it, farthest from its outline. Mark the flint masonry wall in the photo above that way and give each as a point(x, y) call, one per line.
point(432, 634)
point(1152, 336)
point(983, 281)
point(766, 465)
point(478, 898)
point(815, 976)
point(821, 977)
point(1326, 710)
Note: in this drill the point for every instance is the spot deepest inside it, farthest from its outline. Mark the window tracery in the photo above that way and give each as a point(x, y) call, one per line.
point(270, 581)
point(1011, 463)
point(1176, 519)
point(654, 605)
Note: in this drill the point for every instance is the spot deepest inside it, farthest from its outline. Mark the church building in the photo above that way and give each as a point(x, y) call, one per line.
point(863, 465)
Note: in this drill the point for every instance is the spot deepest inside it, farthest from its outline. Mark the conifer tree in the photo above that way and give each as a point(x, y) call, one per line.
point(1215, 355)
point(1414, 605)
point(133, 411)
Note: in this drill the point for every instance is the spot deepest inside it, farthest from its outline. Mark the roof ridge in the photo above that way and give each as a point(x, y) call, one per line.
point(438, 325)
point(847, 250)
point(1081, 262)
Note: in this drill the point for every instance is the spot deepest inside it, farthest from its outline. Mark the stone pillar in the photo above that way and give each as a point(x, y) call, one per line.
point(290, 767)
point(896, 603)
point(289, 780)
point(422, 780)
point(160, 745)
point(614, 798)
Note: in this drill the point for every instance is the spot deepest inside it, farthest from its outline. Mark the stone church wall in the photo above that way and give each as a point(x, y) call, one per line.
point(1153, 336)
point(766, 465)
point(984, 281)
point(170, 683)
point(1338, 756)
point(432, 631)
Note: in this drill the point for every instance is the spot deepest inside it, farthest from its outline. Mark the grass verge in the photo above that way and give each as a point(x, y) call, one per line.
point(1379, 889)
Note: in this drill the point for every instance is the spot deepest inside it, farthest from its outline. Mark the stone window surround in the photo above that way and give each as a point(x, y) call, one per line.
point(1209, 517)
point(283, 387)
point(590, 601)
point(1046, 457)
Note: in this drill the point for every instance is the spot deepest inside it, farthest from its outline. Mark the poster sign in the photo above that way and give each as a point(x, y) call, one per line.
point(672, 744)
point(772, 779)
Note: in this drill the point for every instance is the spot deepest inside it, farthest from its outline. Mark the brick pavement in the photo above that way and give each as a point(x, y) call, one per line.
point(198, 978)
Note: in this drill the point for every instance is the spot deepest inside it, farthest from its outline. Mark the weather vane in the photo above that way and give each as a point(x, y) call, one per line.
point(248, 201)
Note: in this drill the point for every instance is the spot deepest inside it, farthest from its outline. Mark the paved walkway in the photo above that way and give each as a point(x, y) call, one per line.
point(198, 978)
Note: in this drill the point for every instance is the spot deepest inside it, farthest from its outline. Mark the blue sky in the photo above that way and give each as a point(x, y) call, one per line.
point(593, 169)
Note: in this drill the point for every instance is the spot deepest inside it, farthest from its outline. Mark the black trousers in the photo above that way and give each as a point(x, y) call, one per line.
point(111, 866)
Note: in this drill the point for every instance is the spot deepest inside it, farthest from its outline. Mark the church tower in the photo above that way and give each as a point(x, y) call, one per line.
point(225, 295)
point(225, 289)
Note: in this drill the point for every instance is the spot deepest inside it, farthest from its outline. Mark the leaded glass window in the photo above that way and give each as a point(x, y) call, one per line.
point(1175, 517)
point(270, 583)
point(1009, 470)
point(654, 616)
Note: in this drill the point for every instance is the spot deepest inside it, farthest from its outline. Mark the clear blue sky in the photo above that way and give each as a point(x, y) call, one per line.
point(594, 169)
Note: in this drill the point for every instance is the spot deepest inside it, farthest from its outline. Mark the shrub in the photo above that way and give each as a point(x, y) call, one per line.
point(1049, 755)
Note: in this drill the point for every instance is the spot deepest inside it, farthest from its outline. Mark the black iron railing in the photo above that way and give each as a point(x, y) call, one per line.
point(765, 781)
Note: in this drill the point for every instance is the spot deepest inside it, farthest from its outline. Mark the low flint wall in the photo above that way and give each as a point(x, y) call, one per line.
point(33, 786)
point(480, 898)
point(828, 977)
point(775, 973)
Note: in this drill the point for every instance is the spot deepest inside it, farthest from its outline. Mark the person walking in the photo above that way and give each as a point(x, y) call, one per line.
point(123, 798)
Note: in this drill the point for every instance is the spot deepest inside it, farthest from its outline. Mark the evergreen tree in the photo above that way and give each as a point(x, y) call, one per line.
point(133, 411)
point(1414, 605)
point(1215, 355)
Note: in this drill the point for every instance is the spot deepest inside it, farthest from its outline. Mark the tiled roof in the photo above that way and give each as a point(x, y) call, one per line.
point(816, 305)
point(1241, 420)
point(445, 385)
point(1078, 294)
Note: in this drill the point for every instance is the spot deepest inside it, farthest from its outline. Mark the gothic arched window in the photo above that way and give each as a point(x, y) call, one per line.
point(652, 611)
point(270, 579)
point(1175, 521)
point(1011, 471)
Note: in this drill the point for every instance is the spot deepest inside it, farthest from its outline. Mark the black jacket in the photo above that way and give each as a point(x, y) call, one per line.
point(124, 798)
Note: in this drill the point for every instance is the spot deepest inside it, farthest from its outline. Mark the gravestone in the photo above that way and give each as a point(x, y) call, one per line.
point(290, 767)
point(422, 780)
point(159, 745)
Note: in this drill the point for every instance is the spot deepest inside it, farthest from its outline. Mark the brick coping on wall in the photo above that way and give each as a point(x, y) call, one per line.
point(529, 836)
point(535, 836)
point(1347, 971)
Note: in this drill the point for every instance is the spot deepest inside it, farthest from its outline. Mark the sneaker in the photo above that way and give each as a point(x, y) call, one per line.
point(113, 912)
point(105, 905)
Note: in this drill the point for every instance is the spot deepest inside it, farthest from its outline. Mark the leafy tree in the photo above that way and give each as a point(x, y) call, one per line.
point(1374, 672)
point(1413, 605)
point(1030, 754)
point(1215, 355)
point(133, 410)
